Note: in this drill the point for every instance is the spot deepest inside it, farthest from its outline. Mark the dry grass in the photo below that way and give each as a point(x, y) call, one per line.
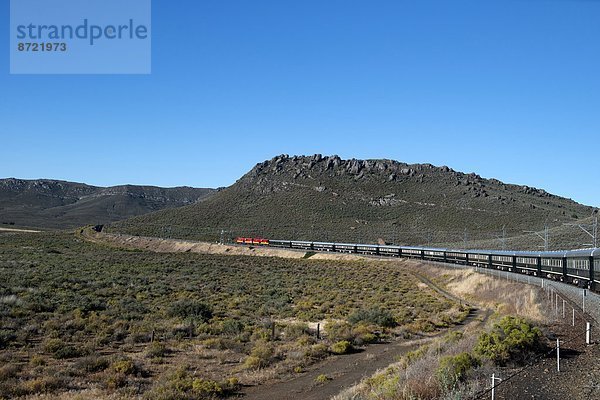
point(503, 296)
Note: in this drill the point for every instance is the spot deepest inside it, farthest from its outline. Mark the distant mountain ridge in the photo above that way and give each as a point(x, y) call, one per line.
point(47, 203)
point(328, 198)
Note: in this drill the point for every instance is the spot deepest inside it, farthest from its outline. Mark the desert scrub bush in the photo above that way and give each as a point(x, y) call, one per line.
point(157, 350)
point(60, 350)
point(113, 380)
point(364, 334)
point(305, 340)
point(191, 309)
point(6, 337)
point(375, 316)
point(124, 366)
point(322, 378)
point(92, 364)
point(232, 327)
point(453, 337)
point(261, 334)
point(453, 369)
point(223, 344)
point(338, 330)
point(421, 325)
point(384, 385)
point(511, 340)
point(181, 385)
point(294, 331)
point(341, 347)
point(316, 352)
point(36, 361)
point(414, 355)
point(8, 371)
point(39, 385)
point(261, 356)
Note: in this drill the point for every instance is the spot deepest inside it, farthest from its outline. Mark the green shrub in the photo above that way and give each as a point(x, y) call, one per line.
point(208, 387)
point(114, 380)
point(316, 352)
point(44, 384)
point(67, 352)
point(341, 347)
point(261, 356)
point(337, 331)
point(364, 334)
point(156, 350)
point(181, 385)
point(322, 378)
point(261, 334)
point(415, 355)
point(453, 337)
point(295, 331)
point(376, 316)
point(6, 337)
point(60, 350)
point(92, 364)
point(512, 339)
point(8, 371)
point(126, 367)
point(453, 369)
point(192, 309)
point(232, 327)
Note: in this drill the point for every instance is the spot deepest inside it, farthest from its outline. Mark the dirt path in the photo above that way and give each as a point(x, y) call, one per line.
point(343, 371)
point(348, 370)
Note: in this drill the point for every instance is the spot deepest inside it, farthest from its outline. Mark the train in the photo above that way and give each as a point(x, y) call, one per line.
point(570, 266)
point(252, 241)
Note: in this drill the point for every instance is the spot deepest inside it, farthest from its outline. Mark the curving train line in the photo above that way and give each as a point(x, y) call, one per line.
point(571, 266)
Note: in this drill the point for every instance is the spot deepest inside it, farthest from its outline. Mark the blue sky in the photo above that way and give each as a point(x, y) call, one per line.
point(508, 89)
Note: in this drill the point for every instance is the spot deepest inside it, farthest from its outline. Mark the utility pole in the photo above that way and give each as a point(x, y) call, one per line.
point(222, 240)
point(502, 238)
point(591, 230)
point(545, 235)
point(466, 238)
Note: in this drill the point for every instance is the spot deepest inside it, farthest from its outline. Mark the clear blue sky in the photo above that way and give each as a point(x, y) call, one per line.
point(509, 89)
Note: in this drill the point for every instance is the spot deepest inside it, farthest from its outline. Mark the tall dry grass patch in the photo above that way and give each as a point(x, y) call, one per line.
point(503, 296)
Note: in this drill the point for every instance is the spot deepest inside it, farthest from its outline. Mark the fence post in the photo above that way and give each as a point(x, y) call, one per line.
point(494, 379)
point(583, 301)
point(557, 355)
point(563, 309)
point(587, 333)
point(573, 317)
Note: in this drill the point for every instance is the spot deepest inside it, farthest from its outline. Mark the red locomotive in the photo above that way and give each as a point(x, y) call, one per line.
point(252, 241)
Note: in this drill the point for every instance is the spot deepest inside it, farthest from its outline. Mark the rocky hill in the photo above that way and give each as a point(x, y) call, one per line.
point(59, 204)
point(328, 198)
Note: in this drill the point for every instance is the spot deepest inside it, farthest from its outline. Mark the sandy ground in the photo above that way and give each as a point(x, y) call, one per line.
point(18, 230)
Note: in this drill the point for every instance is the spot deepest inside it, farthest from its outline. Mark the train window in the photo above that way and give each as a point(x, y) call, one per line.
point(577, 263)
